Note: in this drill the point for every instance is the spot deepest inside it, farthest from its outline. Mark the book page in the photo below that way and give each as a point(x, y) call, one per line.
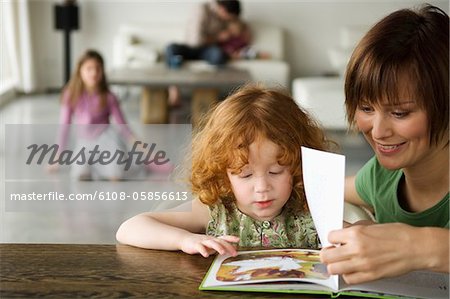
point(323, 176)
point(418, 284)
point(269, 266)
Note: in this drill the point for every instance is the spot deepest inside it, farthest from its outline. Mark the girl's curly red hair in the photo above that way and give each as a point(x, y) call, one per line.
point(225, 134)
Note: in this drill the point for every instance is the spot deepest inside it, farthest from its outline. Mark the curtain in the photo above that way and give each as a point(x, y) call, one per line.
point(17, 67)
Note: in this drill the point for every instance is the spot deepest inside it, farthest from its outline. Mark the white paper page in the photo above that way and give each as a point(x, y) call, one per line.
point(323, 177)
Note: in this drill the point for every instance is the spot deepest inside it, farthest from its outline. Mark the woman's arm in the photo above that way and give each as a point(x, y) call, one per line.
point(383, 250)
point(351, 195)
point(175, 231)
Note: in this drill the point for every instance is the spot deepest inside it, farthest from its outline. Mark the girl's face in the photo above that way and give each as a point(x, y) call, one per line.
point(91, 73)
point(398, 134)
point(264, 186)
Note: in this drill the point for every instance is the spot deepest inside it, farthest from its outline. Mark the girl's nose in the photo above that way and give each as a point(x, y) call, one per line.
point(262, 184)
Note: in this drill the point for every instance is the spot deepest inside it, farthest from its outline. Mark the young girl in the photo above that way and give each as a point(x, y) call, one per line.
point(246, 176)
point(88, 103)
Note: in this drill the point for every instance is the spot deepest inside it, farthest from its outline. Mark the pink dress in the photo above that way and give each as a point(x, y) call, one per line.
point(93, 129)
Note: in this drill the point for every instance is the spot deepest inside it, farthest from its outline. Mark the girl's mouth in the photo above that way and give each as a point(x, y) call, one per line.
point(264, 204)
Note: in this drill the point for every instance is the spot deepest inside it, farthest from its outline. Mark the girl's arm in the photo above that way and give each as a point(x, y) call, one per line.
point(65, 119)
point(384, 250)
point(119, 118)
point(175, 231)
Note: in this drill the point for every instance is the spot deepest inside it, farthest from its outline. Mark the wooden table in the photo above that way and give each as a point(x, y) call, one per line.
point(107, 271)
point(205, 83)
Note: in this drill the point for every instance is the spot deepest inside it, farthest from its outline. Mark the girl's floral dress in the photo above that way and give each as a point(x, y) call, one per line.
point(284, 231)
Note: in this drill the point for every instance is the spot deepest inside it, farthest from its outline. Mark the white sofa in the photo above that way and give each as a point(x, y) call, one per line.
point(324, 97)
point(142, 46)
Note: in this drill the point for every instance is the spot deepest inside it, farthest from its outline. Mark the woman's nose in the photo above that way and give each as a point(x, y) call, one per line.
point(381, 127)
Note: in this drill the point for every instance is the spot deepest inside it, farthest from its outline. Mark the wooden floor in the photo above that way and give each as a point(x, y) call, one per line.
point(96, 223)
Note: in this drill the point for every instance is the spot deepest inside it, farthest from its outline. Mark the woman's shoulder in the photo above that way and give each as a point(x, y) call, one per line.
point(374, 169)
point(373, 179)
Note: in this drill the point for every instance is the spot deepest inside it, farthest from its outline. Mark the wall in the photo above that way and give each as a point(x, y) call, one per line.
point(311, 27)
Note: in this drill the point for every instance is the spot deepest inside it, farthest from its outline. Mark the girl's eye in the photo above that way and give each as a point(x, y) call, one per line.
point(276, 171)
point(245, 175)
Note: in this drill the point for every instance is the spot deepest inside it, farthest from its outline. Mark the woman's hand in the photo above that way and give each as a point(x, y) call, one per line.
point(369, 252)
point(206, 245)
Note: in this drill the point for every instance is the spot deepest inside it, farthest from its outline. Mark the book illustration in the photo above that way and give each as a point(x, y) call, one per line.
point(268, 266)
point(260, 266)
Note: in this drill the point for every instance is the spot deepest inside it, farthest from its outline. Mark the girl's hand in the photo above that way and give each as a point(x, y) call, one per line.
point(369, 252)
point(206, 245)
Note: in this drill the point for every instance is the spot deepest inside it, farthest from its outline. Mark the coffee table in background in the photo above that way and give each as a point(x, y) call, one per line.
point(205, 84)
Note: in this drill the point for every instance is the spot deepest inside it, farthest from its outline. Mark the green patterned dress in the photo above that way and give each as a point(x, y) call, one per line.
point(284, 231)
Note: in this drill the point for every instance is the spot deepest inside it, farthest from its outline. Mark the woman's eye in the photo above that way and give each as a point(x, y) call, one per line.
point(366, 109)
point(400, 114)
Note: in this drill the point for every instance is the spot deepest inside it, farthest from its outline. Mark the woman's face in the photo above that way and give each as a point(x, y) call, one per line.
point(91, 73)
point(398, 134)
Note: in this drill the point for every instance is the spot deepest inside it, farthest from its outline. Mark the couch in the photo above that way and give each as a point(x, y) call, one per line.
point(323, 96)
point(142, 46)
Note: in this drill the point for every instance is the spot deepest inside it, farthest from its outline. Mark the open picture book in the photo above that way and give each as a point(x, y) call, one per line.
point(300, 270)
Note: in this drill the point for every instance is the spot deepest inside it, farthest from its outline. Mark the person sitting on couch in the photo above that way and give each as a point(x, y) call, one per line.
point(206, 31)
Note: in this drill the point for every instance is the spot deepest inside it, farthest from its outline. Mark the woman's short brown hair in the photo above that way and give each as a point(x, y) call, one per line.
point(411, 44)
point(227, 131)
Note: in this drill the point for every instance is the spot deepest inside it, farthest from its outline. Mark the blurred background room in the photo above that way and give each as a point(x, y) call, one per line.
point(308, 42)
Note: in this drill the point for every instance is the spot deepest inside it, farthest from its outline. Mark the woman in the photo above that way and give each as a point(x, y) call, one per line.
point(397, 95)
